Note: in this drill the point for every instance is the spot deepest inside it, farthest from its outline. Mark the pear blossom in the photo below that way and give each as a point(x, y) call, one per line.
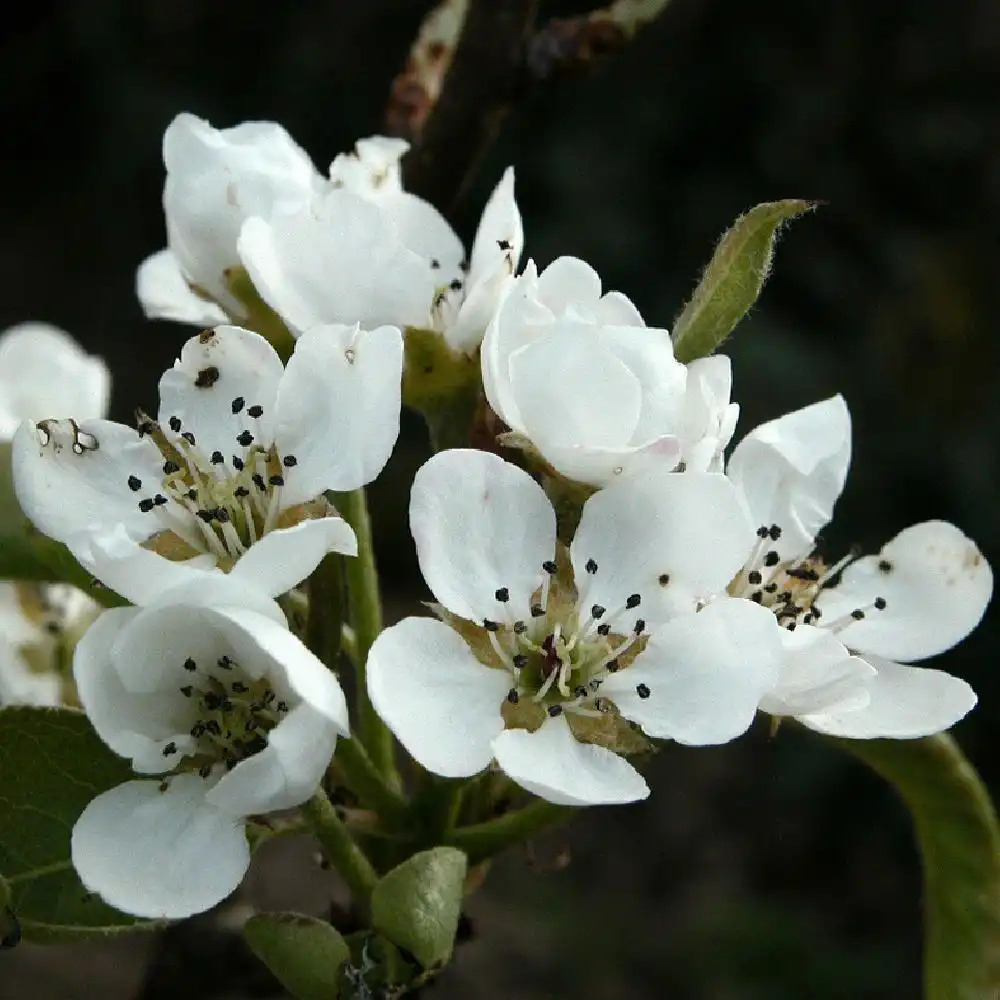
point(39, 626)
point(552, 663)
point(846, 625)
point(232, 473)
point(368, 251)
point(224, 714)
point(578, 377)
point(216, 179)
point(43, 370)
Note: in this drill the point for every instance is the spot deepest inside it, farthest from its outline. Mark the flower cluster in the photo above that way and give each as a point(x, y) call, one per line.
point(679, 597)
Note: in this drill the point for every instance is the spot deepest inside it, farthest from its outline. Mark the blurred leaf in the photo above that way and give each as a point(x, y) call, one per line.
point(51, 765)
point(27, 554)
point(417, 904)
point(305, 954)
point(733, 279)
point(956, 828)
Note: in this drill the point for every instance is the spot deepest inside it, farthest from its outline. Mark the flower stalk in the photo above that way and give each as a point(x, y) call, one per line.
point(484, 840)
point(339, 846)
point(365, 612)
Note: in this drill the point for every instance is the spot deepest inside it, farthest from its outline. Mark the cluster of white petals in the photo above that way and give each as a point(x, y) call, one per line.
point(578, 376)
point(232, 473)
point(846, 625)
point(354, 247)
point(42, 369)
point(535, 666)
point(223, 713)
point(692, 595)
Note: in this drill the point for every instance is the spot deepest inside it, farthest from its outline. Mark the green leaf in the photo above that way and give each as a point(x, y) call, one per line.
point(51, 765)
point(418, 903)
point(27, 554)
point(305, 954)
point(733, 279)
point(956, 827)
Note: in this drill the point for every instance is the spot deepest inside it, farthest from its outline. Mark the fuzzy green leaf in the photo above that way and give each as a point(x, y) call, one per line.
point(51, 765)
point(305, 954)
point(956, 827)
point(418, 903)
point(733, 279)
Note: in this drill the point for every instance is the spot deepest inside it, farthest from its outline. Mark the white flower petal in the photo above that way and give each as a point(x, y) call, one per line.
point(570, 391)
point(286, 772)
point(553, 764)
point(217, 178)
point(217, 369)
point(14, 623)
point(423, 230)
point(616, 309)
point(164, 293)
point(818, 674)
point(72, 477)
point(159, 854)
point(569, 282)
point(648, 353)
point(340, 262)
point(138, 574)
point(480, 524)
point(45, 373)
point(338, 409)
point(905, 703)
point(263, 646)
point(708, 418)
point(792, 470)
point(936, 585)
point(500, 226)
point(285, 557)
point(372, 166)
point(700, 677)
point(673, 538)
point(440, 702)
point(600, 466)
point(478, 308)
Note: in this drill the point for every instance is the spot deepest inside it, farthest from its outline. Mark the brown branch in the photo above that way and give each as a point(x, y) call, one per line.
point(484, 78)
point(569, 45)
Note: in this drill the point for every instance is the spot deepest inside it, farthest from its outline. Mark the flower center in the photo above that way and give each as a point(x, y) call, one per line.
point(790, 587)
point(230, 716)
point(216, 503)
point(557, 656)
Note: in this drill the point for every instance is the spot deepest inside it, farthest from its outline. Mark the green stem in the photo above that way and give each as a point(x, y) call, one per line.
point(341, 850)
point(366, 621)
point(436, 807)
point(363, 778)
point(326, 610)
point(483, 840)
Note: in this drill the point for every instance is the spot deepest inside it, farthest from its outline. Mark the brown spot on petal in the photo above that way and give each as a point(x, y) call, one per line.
point(206, 336)
point(207, 377)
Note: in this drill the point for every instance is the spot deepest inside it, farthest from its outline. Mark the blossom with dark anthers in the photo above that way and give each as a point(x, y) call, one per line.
point(579, 378)
point(223, 714)
point(369, 251)
point(232, 473)
point(845, 623)
point(555, 663)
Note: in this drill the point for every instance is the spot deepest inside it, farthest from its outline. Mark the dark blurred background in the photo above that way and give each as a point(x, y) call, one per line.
point(774, 869)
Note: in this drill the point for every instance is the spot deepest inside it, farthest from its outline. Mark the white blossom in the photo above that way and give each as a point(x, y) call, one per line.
point(578, 376)
point(368, 251)
point(44, 371)
point(216, 179)
point(232, 473)
point(224, 714)
point(844, 625)
point(543, 658)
